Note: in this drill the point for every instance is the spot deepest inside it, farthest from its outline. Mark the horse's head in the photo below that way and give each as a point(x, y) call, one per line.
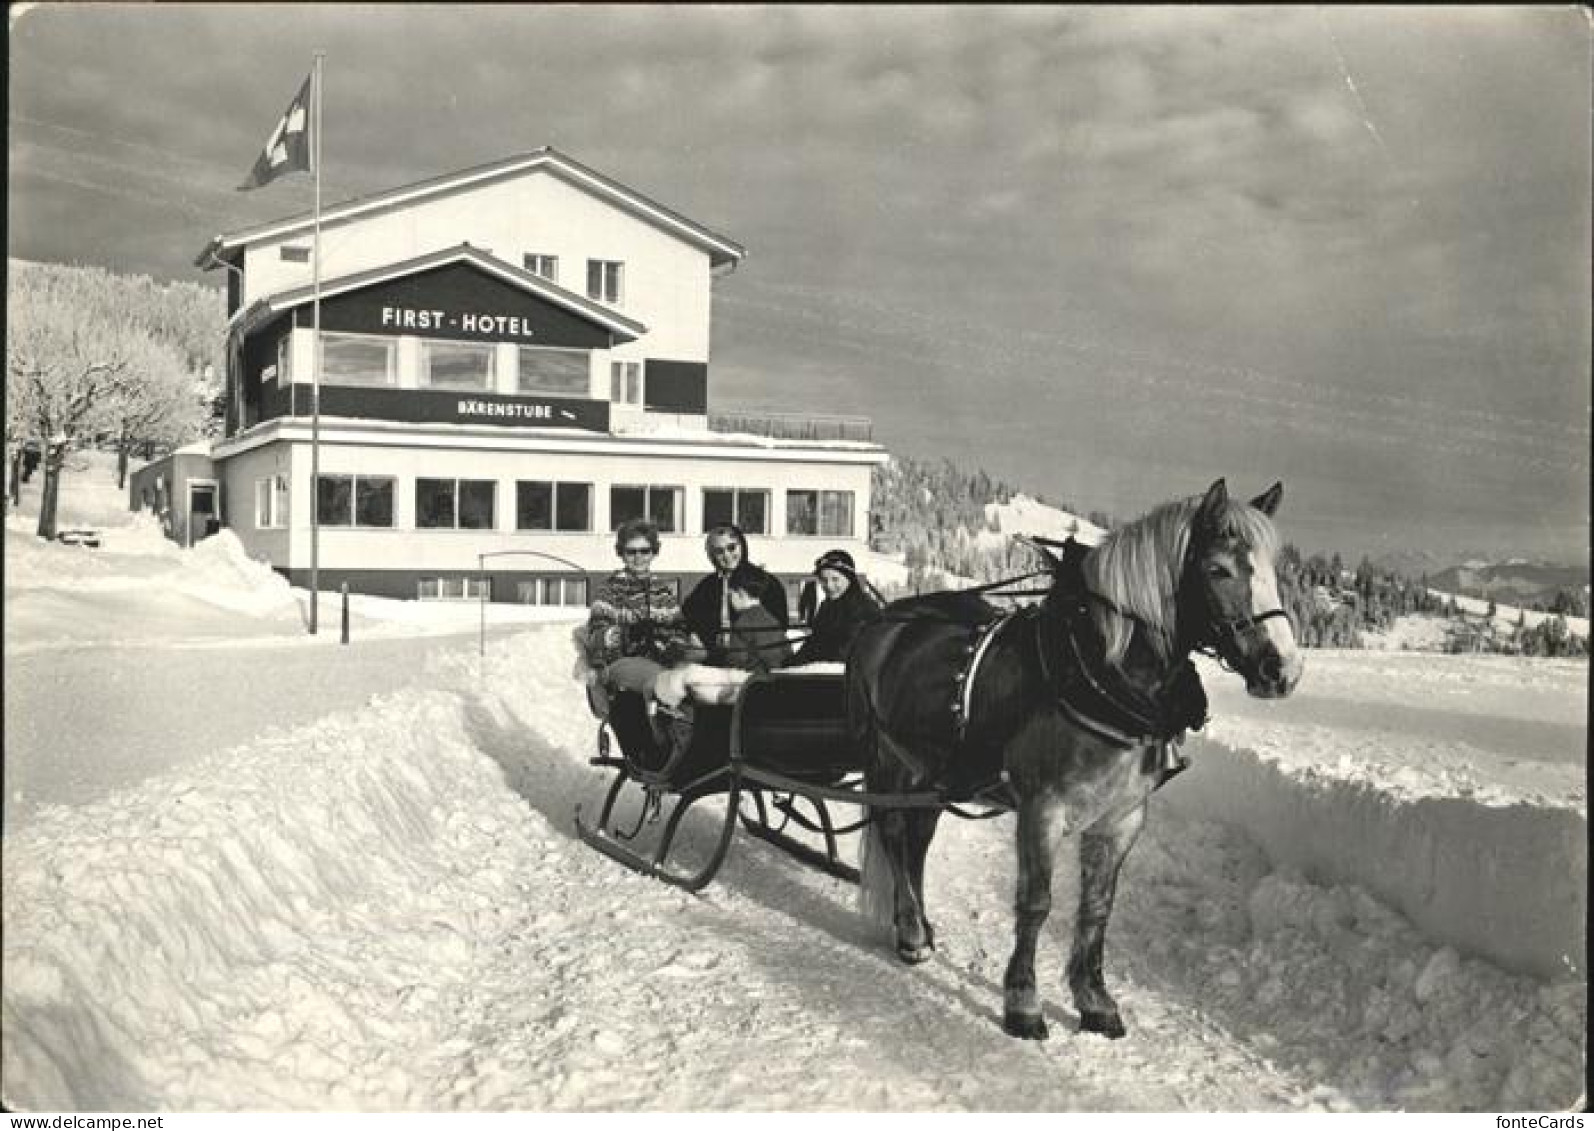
point(1229, 597)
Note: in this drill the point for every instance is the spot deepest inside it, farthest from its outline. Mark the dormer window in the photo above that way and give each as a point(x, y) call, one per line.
point(543, 266)
point(605, 281)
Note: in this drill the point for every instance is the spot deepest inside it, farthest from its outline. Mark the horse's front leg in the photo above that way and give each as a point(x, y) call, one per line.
point(1102, 850)
point(1039, 827)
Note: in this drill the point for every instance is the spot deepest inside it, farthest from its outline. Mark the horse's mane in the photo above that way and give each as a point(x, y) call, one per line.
point(1137, 567)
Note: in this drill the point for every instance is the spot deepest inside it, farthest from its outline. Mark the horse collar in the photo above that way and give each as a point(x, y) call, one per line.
point(1095, 697)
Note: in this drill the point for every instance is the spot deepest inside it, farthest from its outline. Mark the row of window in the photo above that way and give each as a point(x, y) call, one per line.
point(472, 504)
point(360, 359)
point(565, 591)
point(605, 277)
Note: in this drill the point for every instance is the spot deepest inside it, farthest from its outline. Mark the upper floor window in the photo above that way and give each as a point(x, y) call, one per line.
point(827, 513)
point(625, 382)
point(661, 505)
point(293, 254)
point(457, 365)
point(605, 281)
point(546, 266)
point(354, 500)
point(351, 359)
point(560, 373)
point(745, 508)
point(285, 359)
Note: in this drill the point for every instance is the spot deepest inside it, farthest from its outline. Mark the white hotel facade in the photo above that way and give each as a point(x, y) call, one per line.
point(515, 359)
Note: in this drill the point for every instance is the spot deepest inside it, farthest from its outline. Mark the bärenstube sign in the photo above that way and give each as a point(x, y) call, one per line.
point(437, 406)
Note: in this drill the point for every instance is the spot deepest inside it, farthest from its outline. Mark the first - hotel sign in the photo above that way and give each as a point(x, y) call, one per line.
point(495, 326)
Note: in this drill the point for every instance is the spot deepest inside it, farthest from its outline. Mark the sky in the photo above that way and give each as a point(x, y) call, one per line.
point(1108, 254)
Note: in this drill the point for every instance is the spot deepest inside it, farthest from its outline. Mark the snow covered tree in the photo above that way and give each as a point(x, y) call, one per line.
point(160, 403)
point(64, 373)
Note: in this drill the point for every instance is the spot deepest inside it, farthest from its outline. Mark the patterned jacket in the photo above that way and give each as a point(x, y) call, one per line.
point(648, 616)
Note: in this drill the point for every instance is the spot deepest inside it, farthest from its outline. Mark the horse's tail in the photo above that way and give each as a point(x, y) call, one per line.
point(875, 894)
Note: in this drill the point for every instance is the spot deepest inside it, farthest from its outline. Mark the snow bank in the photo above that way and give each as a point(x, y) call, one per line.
point(1506, 883)
point(1452, 787)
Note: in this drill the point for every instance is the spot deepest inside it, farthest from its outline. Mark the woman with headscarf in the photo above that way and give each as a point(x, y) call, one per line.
point(739, 611)
point(846, 609)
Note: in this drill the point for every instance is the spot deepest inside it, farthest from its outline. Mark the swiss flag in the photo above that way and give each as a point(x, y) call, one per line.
point(288, 148)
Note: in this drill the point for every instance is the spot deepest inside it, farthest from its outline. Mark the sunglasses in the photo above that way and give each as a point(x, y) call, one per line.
point(638, 551)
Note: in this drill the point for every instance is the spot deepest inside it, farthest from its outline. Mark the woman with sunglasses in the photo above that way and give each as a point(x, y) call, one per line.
point(636, 630)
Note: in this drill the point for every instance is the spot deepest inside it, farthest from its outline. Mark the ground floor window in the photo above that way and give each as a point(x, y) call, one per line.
point(271, 502)
point(747, 509)
point(825, 513)
point(568, 591)
point(355, 500)
point(454, 589)
point(553, 506)
point(455, 504)
point(660, 505)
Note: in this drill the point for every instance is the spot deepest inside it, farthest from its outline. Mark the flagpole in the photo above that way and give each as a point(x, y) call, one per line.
point(315, 350)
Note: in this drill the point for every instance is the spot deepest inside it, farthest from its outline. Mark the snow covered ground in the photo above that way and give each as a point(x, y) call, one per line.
point(361, 889)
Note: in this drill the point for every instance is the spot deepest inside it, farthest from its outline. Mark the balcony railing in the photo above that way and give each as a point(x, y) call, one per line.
point(794, 425)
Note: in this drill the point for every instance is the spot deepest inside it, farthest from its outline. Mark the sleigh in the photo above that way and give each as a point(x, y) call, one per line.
point(775, 760)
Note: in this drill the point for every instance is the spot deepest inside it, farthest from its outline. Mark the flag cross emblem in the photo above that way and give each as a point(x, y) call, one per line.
point(288, 148)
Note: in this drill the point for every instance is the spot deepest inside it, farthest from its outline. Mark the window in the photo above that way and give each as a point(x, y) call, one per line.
point(454, 588)
point(354, 500)
point(455, 504)
point(547, 266)
point(553, 506)
point(560, 373)
point(293, 254)
point(827, 513)
point(661, 505)
point(349, 359)
point(747, 509)
point(457, 365)
point(604, 280)
point(285, 359)
point(569, 591)
point(271, 503)
point(625, 382)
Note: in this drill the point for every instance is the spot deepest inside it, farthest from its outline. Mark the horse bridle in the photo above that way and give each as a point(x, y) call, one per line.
point(1218, 636)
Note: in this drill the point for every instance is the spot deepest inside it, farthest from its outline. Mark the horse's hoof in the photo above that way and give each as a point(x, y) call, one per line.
point(913, 955)
point(1107, 1024)
point(1025, 1026)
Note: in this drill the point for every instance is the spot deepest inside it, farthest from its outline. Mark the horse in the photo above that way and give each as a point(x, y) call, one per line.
point(1073, 707)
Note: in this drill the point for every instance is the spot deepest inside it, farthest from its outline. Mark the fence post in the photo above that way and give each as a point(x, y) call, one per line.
point(344, 589)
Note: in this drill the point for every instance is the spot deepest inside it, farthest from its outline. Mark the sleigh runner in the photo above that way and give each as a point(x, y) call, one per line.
point(776, 760)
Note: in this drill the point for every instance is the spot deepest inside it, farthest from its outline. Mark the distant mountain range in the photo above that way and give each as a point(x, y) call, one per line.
point(1514, 582)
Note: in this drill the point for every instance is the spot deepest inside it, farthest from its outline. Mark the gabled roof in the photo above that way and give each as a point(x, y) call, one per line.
point(627, 329)
point(720, 249)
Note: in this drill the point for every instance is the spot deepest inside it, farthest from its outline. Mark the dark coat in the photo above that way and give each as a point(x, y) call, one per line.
point(836, 625)
point(702, 609)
